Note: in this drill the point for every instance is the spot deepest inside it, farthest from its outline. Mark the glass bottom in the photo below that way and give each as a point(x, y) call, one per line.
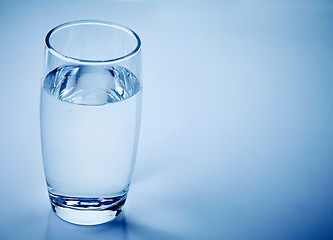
point(87, 211)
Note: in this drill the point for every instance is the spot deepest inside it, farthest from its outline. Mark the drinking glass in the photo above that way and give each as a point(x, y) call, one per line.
point(90, 110)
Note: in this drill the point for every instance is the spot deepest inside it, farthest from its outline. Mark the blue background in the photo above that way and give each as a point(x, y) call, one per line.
point(236, 137)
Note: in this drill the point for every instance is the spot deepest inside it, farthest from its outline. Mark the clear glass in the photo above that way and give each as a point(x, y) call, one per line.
point(90, 110)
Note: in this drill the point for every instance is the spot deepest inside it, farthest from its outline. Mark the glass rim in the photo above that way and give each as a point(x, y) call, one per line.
point(91, 22)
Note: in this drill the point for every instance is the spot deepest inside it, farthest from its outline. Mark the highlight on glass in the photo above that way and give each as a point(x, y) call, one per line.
point(90, 111)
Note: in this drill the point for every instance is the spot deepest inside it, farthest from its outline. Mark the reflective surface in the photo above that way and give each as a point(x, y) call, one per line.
point(237, 119)
point(90, 113)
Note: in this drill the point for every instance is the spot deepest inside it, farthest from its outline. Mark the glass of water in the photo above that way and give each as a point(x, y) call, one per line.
point(90, 110)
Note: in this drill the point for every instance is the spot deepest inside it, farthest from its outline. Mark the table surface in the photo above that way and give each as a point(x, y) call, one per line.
point(236, 136)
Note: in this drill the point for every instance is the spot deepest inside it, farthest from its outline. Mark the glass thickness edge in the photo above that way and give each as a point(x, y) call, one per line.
point(91, 22)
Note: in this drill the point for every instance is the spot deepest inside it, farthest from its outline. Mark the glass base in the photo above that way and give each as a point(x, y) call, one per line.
point(87, 211)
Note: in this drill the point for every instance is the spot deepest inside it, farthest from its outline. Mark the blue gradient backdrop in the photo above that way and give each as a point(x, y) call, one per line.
point(236, 139)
